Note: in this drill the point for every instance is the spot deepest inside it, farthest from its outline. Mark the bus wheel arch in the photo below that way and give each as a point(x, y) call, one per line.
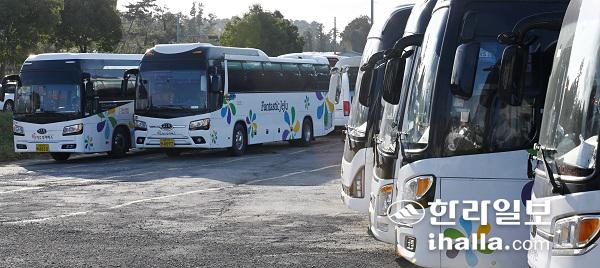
point(120, 141)
point(239, 139)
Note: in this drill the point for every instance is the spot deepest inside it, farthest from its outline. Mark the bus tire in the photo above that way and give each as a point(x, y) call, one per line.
point(239, 140)
point(60, 157)
point(120, 143)
point(307, 133)
point(9, 106)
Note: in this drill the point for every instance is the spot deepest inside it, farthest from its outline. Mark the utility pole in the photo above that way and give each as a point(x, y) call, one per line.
point(178, 29)
point(372, 11)
point(334, 35)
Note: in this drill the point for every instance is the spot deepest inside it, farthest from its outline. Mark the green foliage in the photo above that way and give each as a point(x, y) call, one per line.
point(24, 24)
point(89, 25)
point(7, 149)
point(267, 31)
point(356, 32)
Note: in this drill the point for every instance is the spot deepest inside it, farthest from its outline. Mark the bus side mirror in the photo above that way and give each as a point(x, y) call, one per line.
point(216, 83)
point(513, 69)
point(365, 87)
point(393, 79)
point(126, 76)
point(465, 68)
point(86, 80)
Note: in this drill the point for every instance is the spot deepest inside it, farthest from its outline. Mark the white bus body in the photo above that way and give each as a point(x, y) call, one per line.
point(73, 103)
point(568, 148)
point(467, 144)
point(7, 96)
point(357, 161)
point(259, 99)
point(342, 88)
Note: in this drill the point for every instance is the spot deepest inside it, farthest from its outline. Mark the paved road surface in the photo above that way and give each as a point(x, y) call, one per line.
point(277, 206)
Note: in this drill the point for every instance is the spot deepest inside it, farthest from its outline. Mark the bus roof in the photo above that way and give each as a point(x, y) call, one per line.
point(83, 56)
point(350, 62)
point(212, 51)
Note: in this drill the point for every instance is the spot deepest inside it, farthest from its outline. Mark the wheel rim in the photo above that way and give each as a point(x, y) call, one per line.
point(307, 132)
point(239, 140)
point(119, 141)
point(9, 107)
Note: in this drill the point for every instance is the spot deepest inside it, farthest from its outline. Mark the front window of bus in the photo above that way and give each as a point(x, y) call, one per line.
point(48, 93)
point(173, 91)
point(357, 124)
point(415, 125)
point(572, 122)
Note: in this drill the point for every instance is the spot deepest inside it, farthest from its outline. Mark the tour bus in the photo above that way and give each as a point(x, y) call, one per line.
point(358, 148)
point(460, 140)
point(73, 103)
point(379, 225)
point(8, 87)
point(344, 75)
point(204, 96)
point(566, 179)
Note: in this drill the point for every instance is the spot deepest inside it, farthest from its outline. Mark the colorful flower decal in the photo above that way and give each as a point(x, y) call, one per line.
point(251, 123)
point(306, 102)
point(213, 137)
point(290, 119)
point(108, 116)
point(325, 109)
point(89, 143)
point(228, 109)
point(470, 255)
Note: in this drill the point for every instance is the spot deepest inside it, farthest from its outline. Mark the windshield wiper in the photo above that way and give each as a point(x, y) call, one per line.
point(556, 182)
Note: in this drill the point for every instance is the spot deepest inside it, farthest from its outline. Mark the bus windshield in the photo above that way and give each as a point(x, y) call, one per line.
point(174, 90)
point(48, 92)
point(571, 124)
point(415, 126)
point(357, 124)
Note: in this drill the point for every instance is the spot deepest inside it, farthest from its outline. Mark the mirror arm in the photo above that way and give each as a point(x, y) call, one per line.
point(403, 43)
point(547, 20)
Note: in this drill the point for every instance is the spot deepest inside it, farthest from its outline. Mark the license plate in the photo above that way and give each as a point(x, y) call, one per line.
point(42, 148)
point(167, 143)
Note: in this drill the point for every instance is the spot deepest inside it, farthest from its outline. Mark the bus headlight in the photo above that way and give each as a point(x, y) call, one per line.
point(420, 189)
point(202, 124)
point(18, 130)
point(384, 199)
point(576, 232)
point(76, 129)
point(140, 125)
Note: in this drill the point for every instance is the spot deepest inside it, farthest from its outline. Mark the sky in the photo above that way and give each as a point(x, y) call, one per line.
point(309, 10)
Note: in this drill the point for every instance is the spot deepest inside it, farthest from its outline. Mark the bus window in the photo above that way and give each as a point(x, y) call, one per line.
point(254, 75)
point(291, 74)
point(309, 77)
point(323, 72)
point(235, 75)
point(273, 79)
point(352, 76)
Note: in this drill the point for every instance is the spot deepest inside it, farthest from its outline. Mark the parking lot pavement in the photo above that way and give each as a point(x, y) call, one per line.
point(278, 205)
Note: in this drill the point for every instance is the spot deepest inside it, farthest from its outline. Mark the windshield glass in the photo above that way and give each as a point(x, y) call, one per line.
point(359, 112)
point(415, 125)
point(572, 120)
point(48, 92)
point(173, 89)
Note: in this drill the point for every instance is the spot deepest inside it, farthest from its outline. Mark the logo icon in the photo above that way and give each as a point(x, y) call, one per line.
point(42, 131)
point(167, 126)
point(408, 213)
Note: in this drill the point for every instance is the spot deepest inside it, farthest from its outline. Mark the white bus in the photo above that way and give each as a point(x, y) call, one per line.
point(343, 83)
point(567, 178)
point(463, 131)
point(8, 86)
point(73, 103)
point(365, 112)
point(204, 96)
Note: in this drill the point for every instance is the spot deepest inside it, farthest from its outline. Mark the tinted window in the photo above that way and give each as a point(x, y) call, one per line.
point(291, 74)
point(323, 73)
point(352, 76)
point(309, 77)
point(273, 78)
point(254, 76)
point(236, 76)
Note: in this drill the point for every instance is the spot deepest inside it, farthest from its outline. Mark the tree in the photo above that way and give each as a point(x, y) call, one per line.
point(89, 25)
point(267, 31)
point(356, 32)
point(23, 24)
